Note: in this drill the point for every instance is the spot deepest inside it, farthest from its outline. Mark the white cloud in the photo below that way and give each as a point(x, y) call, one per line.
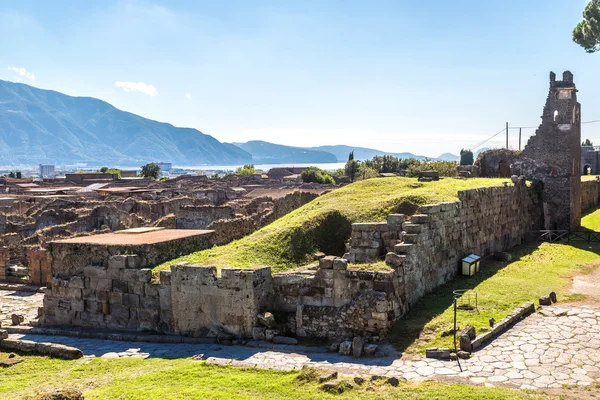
point(141, 87)
point(188, 96)
point(23, 72)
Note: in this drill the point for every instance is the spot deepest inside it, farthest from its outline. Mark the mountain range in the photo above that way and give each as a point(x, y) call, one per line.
point(45, 126)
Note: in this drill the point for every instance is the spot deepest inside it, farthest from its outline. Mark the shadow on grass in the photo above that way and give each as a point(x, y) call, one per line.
point(411, 327)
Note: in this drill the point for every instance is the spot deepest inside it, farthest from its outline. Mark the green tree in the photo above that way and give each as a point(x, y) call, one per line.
point(366, 172)
point(151, 171)
point(247, 170)
point(351, 156)
point(19, 175)
point(587, 142)
point(466, 157)
point(587, 32)
point(351, 169)
point(106, 170)
point(11, 174)
point(316, 175)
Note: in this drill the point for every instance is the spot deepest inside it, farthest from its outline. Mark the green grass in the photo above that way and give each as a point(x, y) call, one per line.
point(162, 379)
point(324, 224)
point(536, 270)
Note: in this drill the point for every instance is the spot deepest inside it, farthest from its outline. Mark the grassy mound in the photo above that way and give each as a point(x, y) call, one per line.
point(324, 224)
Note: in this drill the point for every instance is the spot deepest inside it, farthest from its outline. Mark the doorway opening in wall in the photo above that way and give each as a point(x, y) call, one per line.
point(587, 170)
point(503, 169)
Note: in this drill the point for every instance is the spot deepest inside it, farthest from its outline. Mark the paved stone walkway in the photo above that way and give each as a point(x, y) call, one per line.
point(25, 303)
point(559, 345)
point(556, 346)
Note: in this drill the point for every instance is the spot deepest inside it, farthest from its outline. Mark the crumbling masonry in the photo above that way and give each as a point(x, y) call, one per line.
point(552, 156)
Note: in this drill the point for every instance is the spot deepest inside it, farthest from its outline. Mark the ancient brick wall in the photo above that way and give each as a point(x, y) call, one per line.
point(119, 295)
point(336, 302)
point(69, 259)
point(590, 194)
point(227, 230)
point(201, 301)
point(483, 221)
point(190, 217)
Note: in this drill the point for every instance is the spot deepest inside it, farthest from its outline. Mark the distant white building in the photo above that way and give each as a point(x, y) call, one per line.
point(47, 170)
point(165, 167)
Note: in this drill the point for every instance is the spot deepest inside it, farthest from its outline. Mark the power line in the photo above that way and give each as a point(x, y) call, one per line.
point(490, 138)
point(522, 127)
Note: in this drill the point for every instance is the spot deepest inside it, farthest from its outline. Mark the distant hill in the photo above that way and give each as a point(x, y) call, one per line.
point(270, 153)
point(361, 153)
point(44, 126)
point(448, 157)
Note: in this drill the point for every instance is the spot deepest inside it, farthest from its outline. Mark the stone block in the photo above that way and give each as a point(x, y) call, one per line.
point(136, 288)
point(103, 284)
point(284, 340)
point(115, 298)
point(164, 295)
point(117, 262)
point(394, 260)
point(131, 300)
point(340, 264)
point(380, 316)
point(165, 277)
point(345, 348)
point(545, 301)
point(370, 349)
point(326, 262)
point(134, 261)
point(94, 272)
point(470, 331)
point(357, 346)
point(76, 282)
point(150, 302)
point(267, 319)
point(102, 296)
point(120, 286)
point(150, 290)
point(119, 312)
point(412, 228)
point(396, 219)
point(420, 219)
point(258, 333)
point(150, 316)
point(364, 227)
point(430, 209)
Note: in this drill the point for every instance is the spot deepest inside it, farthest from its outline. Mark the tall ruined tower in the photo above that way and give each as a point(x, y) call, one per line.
point(553, 155)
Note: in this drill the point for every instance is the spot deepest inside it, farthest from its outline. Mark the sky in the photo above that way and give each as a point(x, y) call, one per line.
point(427, 77)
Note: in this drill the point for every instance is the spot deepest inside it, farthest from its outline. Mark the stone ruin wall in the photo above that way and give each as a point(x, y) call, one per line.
point(590, 194)
point(431, 244)
point(194, 301)
point(265, 212)
point(69, 259)
point(331, 301)
point(552, 155)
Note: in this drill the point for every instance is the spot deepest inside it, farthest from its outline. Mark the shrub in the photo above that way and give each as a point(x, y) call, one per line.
point(316, 175)
point(366, 172)
point(247, 170)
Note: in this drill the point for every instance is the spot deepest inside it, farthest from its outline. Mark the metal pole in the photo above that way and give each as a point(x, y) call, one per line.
point(507, 136)
point(455, 329)
point(519, 139)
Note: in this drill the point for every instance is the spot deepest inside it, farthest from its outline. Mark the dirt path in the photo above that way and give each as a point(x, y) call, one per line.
point(588, 285)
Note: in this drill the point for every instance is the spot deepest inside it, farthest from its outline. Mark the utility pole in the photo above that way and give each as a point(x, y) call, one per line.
point(519, 139)
point(507, 136)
